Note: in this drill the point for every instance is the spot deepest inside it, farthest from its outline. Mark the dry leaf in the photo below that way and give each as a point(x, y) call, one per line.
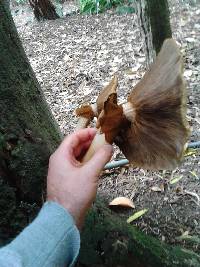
point(190, 152)
point(67, 58)
point(194, 174)
point(156, 189)
point(186, 237)
point(190, 39)
point(188, 73)
point(176, 179)
point(136, 215)
point(123, 202)
point(179, 190)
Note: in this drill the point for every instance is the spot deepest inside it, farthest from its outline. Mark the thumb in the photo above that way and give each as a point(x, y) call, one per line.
point(96, 164)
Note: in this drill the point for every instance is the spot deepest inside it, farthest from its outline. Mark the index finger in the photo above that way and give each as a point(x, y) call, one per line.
point(73, 140)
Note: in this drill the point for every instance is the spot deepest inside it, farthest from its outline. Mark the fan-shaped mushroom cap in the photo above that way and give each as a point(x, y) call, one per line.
point(157, 133)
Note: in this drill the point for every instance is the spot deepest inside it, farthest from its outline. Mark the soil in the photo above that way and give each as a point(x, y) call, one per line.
point(74, 57)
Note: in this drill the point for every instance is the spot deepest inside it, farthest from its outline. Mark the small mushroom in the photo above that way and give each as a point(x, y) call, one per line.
point(150, 128)
point(87, 112)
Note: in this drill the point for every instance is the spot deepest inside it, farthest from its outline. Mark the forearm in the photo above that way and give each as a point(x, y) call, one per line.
point(52, 239)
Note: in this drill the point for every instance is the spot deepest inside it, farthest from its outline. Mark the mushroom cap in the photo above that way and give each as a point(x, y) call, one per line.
point(88, 112)
point(156, 137)
point(110, 89)
point(111, 118)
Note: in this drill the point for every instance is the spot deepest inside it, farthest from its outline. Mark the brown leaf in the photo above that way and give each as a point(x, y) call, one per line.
point(123, 202)
point(156, 189)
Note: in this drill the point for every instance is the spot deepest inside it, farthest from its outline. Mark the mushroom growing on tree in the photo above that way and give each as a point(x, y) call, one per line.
point(150, 128)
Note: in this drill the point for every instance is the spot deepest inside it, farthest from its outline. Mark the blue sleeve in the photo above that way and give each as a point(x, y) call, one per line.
point(51, 240)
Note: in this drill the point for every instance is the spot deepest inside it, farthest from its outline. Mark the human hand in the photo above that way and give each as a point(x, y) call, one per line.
point(71, 183)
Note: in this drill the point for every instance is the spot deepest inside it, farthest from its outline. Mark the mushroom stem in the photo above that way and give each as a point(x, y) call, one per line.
point(98, 141)
point(128, 111)
point(82, 123)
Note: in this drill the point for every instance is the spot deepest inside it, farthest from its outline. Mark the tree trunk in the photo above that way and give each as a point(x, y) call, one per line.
point(28, 133)
point(43, 9)
point(154, 19)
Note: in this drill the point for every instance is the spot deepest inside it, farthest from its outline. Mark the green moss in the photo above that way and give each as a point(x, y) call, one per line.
point(12, 215)
point(107, 240)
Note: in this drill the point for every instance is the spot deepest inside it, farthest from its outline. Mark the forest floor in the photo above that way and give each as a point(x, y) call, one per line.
point(75, 57)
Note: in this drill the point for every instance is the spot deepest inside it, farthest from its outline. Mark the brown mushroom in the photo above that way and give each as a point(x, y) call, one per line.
point(87, 112)
point(151, 128)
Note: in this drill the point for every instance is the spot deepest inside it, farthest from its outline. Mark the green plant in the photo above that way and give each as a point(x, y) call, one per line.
point(98, 6)
point(59, 8)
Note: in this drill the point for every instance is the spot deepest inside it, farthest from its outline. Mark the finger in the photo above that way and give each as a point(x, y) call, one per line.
point(81, 148)
point(73, 140)
point(96, 164)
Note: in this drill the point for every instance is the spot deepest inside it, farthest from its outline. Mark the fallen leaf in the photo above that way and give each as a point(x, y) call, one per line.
point(136, 215)
point(156, 189)
point(194, 174)
point(190, 152)
point(87, 90)
point(190, 39)
point(67, 58)
point(179, 190)
point(186, 233)
point(176, 179)
point(188, 73)
point(123, 202)
point(117, 59)
point(141, 60)
point(186, 237)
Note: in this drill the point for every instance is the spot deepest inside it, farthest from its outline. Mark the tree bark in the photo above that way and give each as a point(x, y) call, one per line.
point(28, 133)
point(43, 9)
point(154, 20)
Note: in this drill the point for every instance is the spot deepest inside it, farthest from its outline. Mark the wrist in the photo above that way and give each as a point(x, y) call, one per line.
point(70, 208)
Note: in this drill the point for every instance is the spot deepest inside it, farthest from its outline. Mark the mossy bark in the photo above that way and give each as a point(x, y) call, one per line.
point(154, 19)
point(108, 241)
point(28, 132)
